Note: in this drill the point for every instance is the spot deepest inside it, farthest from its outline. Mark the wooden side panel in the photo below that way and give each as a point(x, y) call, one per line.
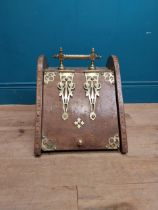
point(113, 64)
point(41, 65)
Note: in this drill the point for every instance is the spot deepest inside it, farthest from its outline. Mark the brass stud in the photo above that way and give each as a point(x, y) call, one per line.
point(80, 142)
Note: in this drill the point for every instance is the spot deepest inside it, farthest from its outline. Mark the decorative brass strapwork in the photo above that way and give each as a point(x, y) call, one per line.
point(66, 87)
point(109, 76)
point(114, 142)
point(63, 57)
point(47, 145)
point(48, 77)
point(92, 87)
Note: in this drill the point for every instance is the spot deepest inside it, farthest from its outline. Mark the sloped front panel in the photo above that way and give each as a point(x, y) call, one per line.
point(79, 131)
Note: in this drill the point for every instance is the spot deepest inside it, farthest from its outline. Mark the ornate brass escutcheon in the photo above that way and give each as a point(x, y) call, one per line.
point(92, 87)
point(66, 87)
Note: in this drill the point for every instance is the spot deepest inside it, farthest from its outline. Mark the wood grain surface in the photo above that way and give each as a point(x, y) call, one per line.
point(82, 180)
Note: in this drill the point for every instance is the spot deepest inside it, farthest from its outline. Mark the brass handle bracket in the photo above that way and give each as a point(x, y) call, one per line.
point(61, 56)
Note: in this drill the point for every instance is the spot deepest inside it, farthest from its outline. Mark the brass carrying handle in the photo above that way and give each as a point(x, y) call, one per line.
point(63, 57)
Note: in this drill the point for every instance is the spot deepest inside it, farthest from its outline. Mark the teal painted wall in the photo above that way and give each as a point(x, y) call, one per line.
point(128, 29)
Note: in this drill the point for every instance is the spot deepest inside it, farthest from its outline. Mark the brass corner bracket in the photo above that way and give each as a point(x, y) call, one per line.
point(109, 76)
point(47, 145)
point(49, 77)
point(114, 142)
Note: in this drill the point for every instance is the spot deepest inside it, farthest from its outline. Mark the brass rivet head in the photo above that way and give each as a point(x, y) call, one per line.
point(80, 142)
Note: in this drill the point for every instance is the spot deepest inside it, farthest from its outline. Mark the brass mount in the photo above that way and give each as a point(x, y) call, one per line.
point(63, 57)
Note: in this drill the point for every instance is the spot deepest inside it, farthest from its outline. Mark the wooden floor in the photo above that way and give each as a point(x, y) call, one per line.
point(77, 181)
